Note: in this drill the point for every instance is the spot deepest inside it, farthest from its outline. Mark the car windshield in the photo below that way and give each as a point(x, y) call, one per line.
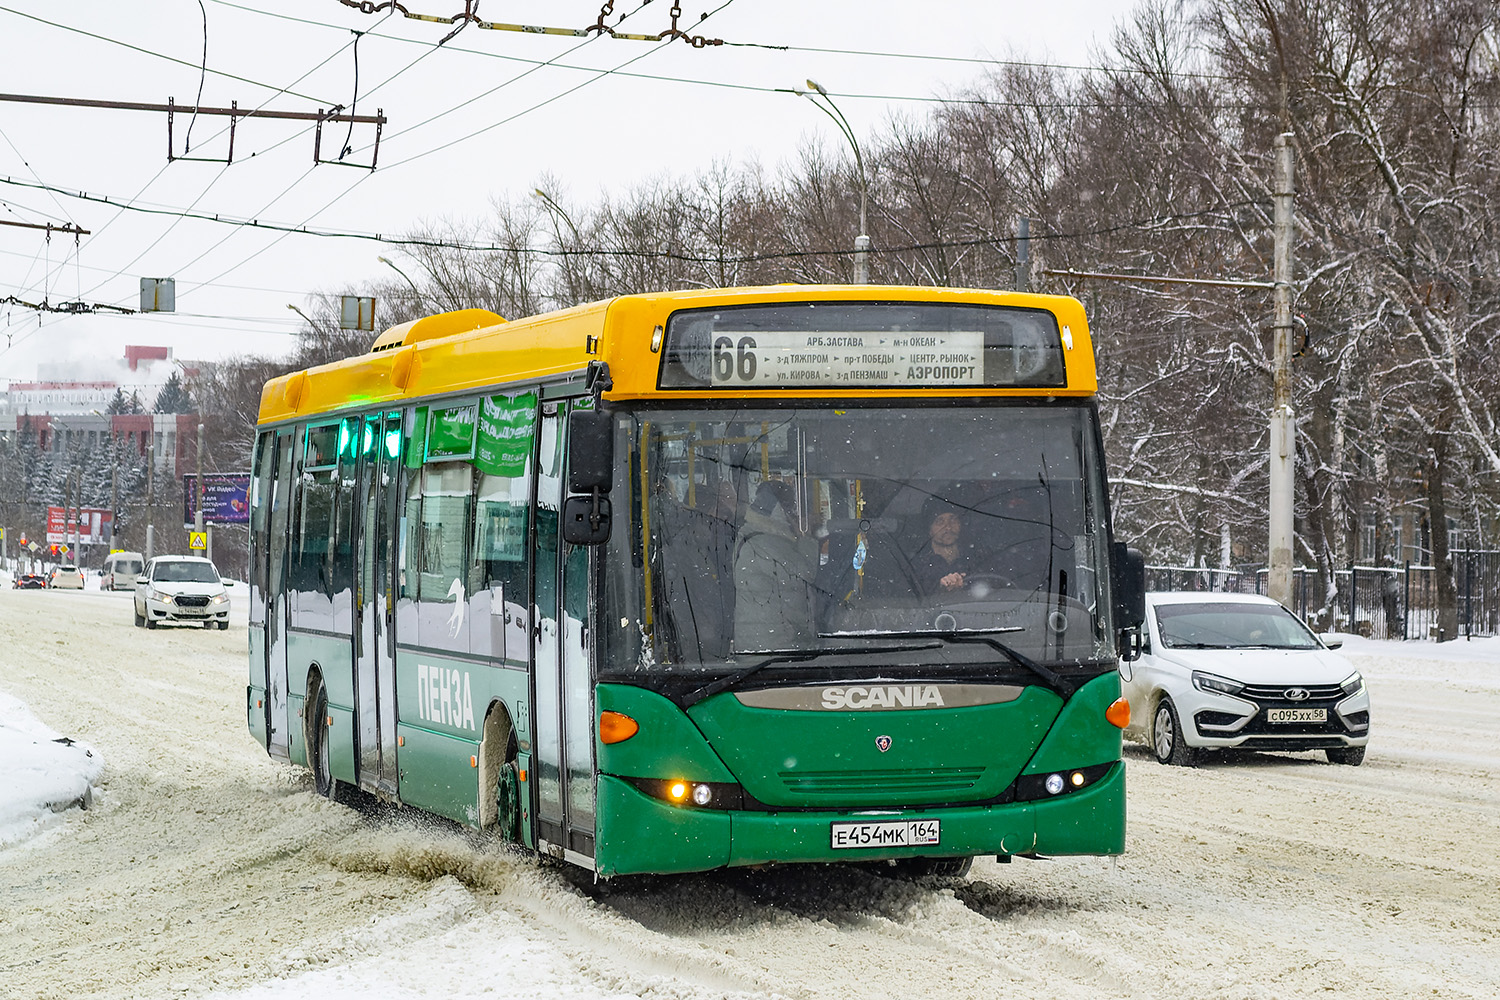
point(185, 572)
point(1224, 625)
point(810, 530)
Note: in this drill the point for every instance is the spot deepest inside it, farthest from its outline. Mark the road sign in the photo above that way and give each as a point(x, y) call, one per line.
point(198, 541)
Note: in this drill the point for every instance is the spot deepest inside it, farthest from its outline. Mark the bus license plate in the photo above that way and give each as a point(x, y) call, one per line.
point(1296, 715)
point(905, 833)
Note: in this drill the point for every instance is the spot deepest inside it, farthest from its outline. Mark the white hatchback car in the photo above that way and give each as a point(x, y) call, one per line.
point(181, 589)
point(1222, 671)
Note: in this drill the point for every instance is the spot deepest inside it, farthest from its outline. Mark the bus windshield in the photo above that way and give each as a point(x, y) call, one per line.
point(762, 531)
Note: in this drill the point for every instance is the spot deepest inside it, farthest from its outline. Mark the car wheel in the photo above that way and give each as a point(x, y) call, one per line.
point(1166, 736)
point(224, 626)
point(150, 622)
point(1352, 756)
point(140, 620)
point(208, 624)
point(323, 780)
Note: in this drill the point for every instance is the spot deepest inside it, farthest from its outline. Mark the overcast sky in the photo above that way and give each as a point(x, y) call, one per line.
point(477, 120)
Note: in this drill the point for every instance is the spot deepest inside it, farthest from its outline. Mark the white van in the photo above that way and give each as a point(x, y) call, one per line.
point(120, 570)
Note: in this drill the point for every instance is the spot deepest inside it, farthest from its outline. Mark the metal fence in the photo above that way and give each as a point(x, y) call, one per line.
point(1382, 602)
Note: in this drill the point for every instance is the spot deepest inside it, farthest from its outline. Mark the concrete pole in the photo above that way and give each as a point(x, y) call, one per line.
point(1023, 254)
point(1283, 419)
point(150, 498)
point(198, 485)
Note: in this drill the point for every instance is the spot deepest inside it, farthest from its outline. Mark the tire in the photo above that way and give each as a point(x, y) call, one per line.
point(929, 868)
point(208, 624)
point(1166, 736)
point(224, 626)
point(1351, 756)
point(140, 620)
point(324, 783)
point(150, 622)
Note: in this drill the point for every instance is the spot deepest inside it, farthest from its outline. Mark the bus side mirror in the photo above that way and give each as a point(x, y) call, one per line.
point(1128, 569)
point(586, 519)
point(591, 451)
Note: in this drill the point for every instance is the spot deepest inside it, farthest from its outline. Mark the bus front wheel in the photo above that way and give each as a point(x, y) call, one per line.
point(324, 782)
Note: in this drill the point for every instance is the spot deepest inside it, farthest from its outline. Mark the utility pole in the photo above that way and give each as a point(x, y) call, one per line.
point(1023, 254)
point(150, 497)
point(1283, 423)
point(198, 484)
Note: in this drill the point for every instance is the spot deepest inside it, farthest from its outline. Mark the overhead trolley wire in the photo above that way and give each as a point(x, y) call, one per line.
point(163, 55)
point(346, 192)
point(304, 230)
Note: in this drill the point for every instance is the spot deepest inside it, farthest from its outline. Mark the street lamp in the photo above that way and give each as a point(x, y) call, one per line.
point(304, 315)
point(556, 211)
point(414, 289)
point(862, 241)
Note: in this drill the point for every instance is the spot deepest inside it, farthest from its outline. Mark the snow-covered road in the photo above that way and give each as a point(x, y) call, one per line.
point(203, 869)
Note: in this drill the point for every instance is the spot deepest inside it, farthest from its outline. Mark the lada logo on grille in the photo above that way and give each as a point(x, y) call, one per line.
point(1295, 694)
point(882, 743)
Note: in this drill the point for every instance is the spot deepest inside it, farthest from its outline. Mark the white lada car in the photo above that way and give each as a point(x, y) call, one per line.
point(1224, 671)
point(181, 589)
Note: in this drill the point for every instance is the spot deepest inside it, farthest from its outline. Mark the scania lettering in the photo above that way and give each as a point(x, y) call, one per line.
point(704, 579)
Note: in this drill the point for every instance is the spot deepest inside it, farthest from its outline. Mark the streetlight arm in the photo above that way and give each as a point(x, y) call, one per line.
point(832, 111)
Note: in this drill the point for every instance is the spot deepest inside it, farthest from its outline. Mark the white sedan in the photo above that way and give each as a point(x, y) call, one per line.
point(181, 589)
point(1224, 671)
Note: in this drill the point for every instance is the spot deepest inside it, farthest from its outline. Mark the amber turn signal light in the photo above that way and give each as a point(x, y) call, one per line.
point(1118, 713)
point(616, 728)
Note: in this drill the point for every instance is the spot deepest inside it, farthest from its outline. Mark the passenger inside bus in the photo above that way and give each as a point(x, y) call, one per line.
point(698, 570)
point(775, 570)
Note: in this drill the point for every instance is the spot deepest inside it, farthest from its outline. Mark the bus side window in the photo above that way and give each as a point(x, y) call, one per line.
point(500, 570)
point(442, 555)
point(309, 576)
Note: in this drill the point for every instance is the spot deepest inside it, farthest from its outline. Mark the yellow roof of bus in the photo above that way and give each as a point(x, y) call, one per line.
point(474, 349)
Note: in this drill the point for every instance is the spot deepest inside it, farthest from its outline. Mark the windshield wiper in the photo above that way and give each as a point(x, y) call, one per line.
point(790, 656)
point(1057, 682)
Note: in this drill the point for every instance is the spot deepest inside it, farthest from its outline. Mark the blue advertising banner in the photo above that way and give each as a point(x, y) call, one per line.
point(226, 499)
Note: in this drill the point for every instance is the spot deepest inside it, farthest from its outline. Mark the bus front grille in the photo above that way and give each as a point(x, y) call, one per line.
point(934, 780)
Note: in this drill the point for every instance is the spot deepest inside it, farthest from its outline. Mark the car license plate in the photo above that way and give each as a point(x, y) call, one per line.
point(904, 833)
point(1296, 715)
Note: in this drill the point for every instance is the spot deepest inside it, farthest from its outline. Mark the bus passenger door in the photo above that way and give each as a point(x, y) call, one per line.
point(564, 690)
point(374, 643)
point(276, 598)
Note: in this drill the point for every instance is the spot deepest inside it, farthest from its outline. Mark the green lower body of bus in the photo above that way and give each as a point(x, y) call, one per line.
point(977, 778)
point(664, 838)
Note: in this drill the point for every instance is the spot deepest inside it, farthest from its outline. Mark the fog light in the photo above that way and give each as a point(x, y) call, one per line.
point(677, 791)
point(701, 794)
point(1077, 779)
point(1054, 784)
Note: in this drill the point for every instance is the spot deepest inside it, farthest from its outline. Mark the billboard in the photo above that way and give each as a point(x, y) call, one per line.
point(87, 525)
point(226, 499)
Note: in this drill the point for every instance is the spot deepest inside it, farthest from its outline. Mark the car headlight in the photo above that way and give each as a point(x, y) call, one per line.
point(157, 595)
point(1353, 684)
point(219, 599)
point(1214, 684)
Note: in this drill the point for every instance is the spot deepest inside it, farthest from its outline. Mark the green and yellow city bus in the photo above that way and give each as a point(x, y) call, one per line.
point(680, 581)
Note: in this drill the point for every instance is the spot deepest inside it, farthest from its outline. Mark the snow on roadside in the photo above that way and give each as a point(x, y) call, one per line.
point(43, 773)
